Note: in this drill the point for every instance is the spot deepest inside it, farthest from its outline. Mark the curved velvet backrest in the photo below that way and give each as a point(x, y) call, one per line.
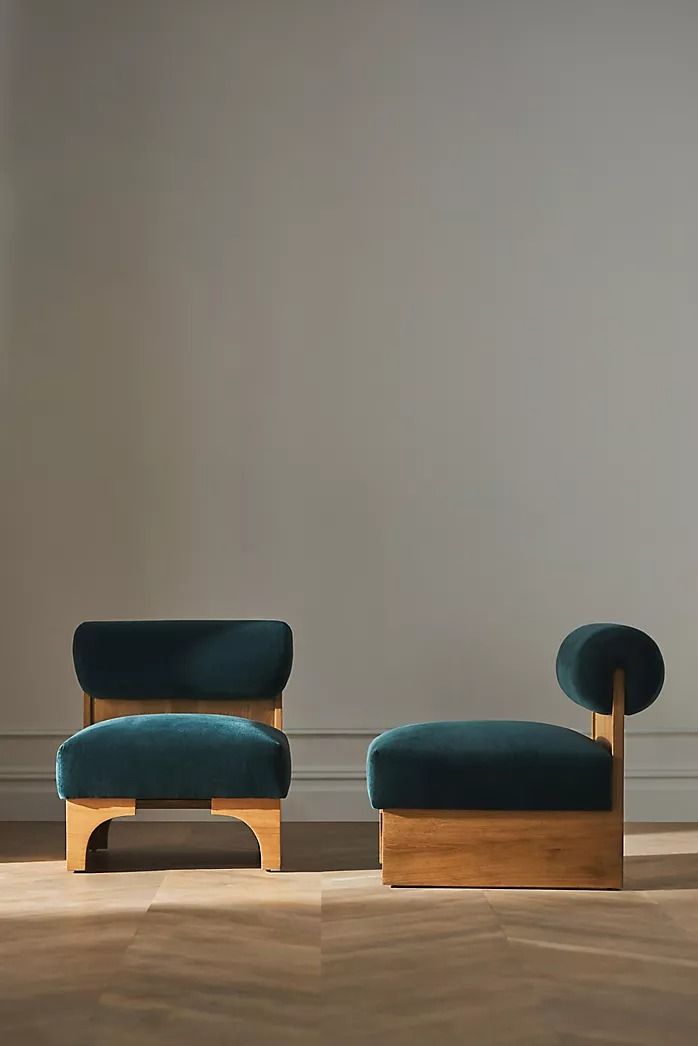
point(183, 659)
point(589, 656)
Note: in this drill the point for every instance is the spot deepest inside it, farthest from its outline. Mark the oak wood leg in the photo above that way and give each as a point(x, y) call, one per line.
point(263, 816)
point(82, 817)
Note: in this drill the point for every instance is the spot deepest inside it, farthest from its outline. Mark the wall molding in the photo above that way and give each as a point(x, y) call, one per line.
point(313, 731)
point(329, 780)
point(309, 731)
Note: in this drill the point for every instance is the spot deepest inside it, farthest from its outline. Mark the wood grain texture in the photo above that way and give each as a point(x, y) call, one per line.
point(278, 714)
point(261, 711)
point(610, 730)
point(495, 848)
point(380, 837)
point(180, 938)
point(88, 820)
point(263, 816)
point(82, 817)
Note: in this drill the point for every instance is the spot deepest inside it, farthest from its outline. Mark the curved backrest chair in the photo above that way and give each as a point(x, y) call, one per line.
point(518, 804)
point(177, 714)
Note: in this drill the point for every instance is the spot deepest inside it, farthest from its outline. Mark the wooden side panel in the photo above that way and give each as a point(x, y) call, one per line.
point(380, 838)
point(278, 718)
point(262, 711)
point(550, 849)
point(610, 730)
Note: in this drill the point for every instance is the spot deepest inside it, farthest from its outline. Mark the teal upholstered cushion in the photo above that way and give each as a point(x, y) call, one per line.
point(175, 756)
point(488, 766)
point(183, 659)
point(589, 655)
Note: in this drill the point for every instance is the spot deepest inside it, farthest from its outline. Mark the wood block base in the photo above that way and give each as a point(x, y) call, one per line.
point(499, 848)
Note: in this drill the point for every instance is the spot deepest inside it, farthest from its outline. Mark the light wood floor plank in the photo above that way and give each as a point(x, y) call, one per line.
point(421, 966)
point(178, 937)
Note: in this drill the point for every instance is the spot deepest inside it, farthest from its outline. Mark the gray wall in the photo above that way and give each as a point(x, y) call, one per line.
point(376, 316)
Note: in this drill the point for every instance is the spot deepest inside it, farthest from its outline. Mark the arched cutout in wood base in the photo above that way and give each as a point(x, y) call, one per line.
point(87, 823)
point(82, 817)
point(263, 816)
point(99, 840)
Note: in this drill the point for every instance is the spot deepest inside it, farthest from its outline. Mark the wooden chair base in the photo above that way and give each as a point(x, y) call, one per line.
point(263, 816)
point(550, 849)
point(87, 824)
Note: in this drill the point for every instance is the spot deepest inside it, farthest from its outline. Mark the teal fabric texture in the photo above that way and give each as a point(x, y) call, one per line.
point(589, 655)
point(183, 659)
point(488, 765)
point(175, 756)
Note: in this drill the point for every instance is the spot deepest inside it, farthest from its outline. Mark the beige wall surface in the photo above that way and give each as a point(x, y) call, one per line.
point(377, 316)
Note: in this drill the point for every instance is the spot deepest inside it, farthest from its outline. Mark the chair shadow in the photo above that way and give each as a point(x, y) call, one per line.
point(306, 847)
point(32, 841)
point(325, 846)
point(168, 846)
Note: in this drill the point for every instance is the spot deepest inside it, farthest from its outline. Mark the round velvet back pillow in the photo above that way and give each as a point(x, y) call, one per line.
point(589, 656)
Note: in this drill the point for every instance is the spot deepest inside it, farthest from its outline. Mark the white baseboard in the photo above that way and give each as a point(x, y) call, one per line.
point(329, 779)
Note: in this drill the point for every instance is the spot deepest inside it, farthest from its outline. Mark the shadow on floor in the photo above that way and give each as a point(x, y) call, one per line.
point(307, 847)
point(163, 846)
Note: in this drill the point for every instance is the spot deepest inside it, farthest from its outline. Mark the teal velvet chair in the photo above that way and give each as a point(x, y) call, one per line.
point(519, 804)
point(177, 714)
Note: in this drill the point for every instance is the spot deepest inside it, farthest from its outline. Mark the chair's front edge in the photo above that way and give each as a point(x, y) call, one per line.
point(86, 819)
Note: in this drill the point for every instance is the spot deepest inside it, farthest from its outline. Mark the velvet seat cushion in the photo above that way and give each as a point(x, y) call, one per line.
point(490, 765)
point(175, 756)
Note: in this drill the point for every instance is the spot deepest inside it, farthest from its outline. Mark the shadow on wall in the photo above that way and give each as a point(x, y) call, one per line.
point(142, 348)
point(98, 411)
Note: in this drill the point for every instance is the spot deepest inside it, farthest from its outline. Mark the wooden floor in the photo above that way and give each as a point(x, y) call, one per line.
point(180, 939)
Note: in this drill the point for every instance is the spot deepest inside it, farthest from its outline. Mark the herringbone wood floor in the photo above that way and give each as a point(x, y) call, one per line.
point(178, 938)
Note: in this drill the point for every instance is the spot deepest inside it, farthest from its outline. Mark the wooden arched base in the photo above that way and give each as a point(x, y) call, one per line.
point(87, 824)
point(263, 816)
point(82, 817)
